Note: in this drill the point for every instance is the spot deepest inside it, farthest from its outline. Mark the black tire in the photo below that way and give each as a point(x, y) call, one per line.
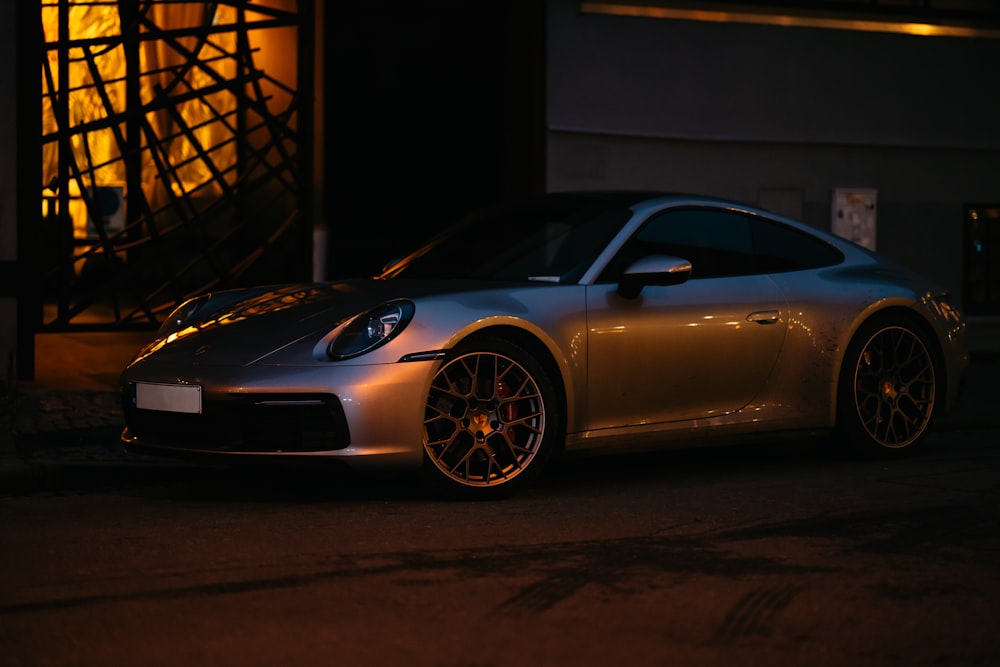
point(888, 389)
point(491, 421)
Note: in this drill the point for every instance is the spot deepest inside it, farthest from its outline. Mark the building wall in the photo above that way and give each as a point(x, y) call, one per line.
point(781, 117)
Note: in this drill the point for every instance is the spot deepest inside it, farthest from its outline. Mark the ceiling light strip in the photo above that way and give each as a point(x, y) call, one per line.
point(789, 20)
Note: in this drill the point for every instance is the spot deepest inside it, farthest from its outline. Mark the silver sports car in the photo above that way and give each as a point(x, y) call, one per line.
point(568, 323)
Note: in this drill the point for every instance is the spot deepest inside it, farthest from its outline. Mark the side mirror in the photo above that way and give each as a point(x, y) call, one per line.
point(661, 270)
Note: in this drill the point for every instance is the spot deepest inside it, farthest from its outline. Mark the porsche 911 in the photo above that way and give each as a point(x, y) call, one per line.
point(564, 324)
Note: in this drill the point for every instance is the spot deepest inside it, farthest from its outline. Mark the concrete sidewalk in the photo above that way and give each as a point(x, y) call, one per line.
point(70, 414)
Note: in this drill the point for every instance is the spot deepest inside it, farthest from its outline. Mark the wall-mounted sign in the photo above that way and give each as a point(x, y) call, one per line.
point(853, 215)
point(107, 210)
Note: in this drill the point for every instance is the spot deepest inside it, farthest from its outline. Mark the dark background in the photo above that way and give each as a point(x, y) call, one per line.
point(432, 109)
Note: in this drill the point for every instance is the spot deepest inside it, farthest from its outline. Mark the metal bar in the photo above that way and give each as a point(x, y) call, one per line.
point(268, 147)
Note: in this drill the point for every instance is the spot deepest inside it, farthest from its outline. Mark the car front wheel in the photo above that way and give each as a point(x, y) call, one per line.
point(490, 421)
point(888, 388)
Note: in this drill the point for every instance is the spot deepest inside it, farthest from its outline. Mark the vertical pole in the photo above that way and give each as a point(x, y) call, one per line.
point(61, 113)
point(307, 222)
point(29, 53)
point(132, 151)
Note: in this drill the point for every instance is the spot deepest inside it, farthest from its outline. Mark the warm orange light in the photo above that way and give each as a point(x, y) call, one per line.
point(196, 153)
point(801, 20)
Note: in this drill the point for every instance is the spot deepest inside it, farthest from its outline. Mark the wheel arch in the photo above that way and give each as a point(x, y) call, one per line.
point(535, 346)
point(899, 313)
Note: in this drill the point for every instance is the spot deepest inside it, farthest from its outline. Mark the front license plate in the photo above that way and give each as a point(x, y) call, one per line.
point(168, 397)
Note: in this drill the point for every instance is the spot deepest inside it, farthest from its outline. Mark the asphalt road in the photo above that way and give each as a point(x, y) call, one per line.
point(776, 555)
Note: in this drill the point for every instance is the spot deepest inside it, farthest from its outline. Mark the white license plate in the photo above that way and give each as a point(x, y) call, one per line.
point(168, 397)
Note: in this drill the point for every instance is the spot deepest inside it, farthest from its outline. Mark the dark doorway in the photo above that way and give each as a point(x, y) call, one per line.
point(432, 109)
point(981, 260)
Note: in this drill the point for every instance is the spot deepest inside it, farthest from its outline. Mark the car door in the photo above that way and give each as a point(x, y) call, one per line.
point(699, 349)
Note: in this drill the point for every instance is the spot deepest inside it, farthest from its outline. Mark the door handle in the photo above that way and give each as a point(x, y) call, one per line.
point(764, 316)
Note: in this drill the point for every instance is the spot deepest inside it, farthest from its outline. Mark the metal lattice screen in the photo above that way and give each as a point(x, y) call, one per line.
point(174, 150)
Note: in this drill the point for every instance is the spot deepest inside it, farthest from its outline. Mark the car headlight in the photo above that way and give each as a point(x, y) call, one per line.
point(371, 329)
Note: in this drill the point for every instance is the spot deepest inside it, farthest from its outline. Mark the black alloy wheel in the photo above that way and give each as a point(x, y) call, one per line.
point(888, 387)
point(489, 422)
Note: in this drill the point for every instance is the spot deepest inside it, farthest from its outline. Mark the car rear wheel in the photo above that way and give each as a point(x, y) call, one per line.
point(888, 388)
point(490, 421)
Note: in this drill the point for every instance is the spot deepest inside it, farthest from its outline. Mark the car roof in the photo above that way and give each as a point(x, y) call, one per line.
point(629, 197)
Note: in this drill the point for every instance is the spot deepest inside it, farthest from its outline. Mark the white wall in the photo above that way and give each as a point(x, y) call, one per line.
point(782, 116)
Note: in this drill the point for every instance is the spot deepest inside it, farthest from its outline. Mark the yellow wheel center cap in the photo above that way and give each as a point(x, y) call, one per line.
point(889, 389)
point(479, 423)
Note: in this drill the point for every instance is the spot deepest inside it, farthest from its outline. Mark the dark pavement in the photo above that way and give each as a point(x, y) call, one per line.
point(66, 422)
point(69, 416)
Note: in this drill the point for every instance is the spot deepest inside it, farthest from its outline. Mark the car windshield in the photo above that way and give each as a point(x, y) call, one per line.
point(551, 239)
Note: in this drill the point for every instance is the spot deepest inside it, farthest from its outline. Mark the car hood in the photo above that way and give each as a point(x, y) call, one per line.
point(247, 325)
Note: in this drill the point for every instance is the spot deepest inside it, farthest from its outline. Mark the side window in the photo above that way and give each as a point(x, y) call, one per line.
point(717, 243)
point(779, 248)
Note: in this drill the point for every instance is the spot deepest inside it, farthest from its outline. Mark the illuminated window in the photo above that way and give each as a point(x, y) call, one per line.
point(163, 124)
point(190, 115)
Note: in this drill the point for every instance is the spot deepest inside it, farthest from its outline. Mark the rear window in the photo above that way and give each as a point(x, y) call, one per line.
point(779, 248)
